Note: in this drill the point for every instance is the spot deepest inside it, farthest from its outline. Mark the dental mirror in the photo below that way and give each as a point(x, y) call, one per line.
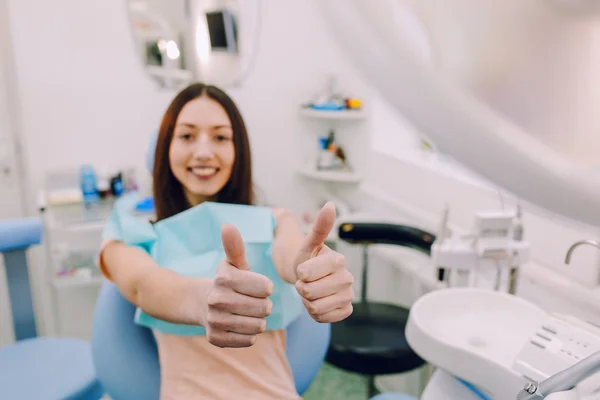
point(508, 90)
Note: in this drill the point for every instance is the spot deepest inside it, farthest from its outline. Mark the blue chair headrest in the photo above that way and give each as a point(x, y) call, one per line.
point(150, 152)
point(19, 234)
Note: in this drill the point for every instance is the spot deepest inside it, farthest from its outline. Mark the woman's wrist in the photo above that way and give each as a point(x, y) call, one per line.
point(174, 298)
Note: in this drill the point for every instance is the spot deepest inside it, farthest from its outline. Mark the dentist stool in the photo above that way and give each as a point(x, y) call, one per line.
point(38, 368)
point(126, 357)
point(371, 341)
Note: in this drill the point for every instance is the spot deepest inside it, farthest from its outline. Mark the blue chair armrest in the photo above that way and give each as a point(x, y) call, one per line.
point(19, 234)
point(307, 345)
point(125, 354)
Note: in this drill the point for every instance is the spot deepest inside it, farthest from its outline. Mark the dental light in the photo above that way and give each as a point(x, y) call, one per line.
point(457, 121)
point(579, 8)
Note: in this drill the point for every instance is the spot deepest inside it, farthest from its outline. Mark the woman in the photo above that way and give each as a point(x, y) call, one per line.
point(203, 154)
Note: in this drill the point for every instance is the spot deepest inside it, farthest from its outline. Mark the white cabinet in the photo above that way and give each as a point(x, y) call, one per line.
point(72, 237)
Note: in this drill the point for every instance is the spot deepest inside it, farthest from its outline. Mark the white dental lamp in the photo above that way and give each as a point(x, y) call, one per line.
point(474, 133)
point(460, 124)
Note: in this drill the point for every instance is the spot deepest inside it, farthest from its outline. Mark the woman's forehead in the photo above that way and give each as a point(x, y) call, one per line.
point(203, 111)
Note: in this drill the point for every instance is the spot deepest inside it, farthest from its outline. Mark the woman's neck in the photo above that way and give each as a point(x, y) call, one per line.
point(195, 200)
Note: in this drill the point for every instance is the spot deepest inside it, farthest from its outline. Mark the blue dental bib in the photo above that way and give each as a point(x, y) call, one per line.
point(189, 243)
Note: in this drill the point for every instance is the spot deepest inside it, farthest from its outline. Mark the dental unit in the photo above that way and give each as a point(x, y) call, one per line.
point(496, 245)
point(488, 344)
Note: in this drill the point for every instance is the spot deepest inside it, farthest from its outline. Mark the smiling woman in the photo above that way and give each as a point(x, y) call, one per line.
point(202, 152)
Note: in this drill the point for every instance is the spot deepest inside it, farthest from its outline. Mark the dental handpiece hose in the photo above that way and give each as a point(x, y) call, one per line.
point(570, 377)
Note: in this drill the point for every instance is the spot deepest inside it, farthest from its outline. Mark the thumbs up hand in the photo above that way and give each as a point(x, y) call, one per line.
point(238, 301)
point(323, 280)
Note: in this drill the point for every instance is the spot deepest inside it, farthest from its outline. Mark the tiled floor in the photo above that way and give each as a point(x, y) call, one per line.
point(334, 384)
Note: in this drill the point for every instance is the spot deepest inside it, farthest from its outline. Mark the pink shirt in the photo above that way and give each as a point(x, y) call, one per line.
point(191, 368)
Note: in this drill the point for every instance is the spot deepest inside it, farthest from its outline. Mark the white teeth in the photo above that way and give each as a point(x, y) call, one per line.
point(204, 171)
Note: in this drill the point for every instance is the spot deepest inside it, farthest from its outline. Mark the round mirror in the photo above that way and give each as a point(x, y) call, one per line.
point(179, 41)
point(507, 89)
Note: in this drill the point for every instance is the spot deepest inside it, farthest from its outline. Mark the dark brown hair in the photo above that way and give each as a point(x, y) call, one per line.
point(169, 197)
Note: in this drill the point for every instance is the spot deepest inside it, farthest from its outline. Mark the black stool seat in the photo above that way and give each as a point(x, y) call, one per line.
point(371, 341)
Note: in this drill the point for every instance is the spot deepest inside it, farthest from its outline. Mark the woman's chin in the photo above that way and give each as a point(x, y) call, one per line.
point(197, 195)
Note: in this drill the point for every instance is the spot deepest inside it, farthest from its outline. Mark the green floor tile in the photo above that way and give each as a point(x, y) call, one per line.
point(333, 384)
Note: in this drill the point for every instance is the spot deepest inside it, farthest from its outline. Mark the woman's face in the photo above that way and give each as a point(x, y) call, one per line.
point(202, 153)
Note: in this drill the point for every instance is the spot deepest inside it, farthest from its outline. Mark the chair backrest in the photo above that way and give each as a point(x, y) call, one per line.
point(367, 233)
point(126, 357)
point(385, 233)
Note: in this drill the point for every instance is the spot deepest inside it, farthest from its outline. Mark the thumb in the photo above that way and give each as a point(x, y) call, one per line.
point(320, 230)
point(233, 244)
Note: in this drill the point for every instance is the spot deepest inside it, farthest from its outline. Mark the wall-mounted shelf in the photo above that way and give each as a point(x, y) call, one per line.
point(339, 115)
point(330, 176)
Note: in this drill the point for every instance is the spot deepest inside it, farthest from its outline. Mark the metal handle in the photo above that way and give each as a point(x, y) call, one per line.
point(577, 244)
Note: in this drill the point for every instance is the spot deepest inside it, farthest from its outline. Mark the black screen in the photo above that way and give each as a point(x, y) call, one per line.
point(216, 30)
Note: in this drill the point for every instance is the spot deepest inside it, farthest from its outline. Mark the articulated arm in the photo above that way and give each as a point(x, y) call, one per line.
point(562, 381)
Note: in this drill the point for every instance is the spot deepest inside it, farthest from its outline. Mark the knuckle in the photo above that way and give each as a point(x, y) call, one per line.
point(307, 293)
point(212, 319)
point(268, 286)
point(213, 338)
point(251, 340)
point(340, 260)
point(223, 278)
point(301, 271)
point(320, 318)
point(350, 310)
point(303, 290)
point(349, 296)
point(215, 299)
point(349, 278)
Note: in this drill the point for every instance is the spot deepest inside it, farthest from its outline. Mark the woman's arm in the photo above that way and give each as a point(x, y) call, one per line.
point(158, 291)
point(286, 245)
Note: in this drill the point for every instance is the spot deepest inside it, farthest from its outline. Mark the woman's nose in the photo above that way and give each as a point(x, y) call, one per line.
point(203, 149)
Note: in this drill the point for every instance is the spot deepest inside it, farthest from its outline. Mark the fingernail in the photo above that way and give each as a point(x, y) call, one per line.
point(270, 308)
point(270, 288)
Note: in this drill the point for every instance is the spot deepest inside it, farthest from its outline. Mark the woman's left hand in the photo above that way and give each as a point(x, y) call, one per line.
point(323, 280)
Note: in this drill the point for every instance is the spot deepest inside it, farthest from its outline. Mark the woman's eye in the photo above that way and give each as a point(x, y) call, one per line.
point(185, 136)
point(222, 138)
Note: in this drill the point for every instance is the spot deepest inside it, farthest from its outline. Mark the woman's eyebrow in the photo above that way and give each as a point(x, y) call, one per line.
point(222, 126)
point(187, 124)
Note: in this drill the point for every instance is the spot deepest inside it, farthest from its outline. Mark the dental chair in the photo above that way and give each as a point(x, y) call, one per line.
point(372, 341)
point(126, 357)
point(40, 368)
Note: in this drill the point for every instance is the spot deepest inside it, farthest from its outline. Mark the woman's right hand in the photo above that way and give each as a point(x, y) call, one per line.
point(237, 303)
